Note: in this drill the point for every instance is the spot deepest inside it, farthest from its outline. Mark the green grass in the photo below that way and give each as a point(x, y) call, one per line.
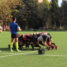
point(32, 59)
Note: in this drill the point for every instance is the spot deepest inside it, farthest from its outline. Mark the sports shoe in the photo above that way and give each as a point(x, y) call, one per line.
point(18, 50)
point(11, 50)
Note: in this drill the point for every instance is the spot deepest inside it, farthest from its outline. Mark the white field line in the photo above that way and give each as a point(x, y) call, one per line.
point(49, 55)
point(15, 54)
point(29, 53)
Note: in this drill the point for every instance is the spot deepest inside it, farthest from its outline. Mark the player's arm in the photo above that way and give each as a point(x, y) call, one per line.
point(19, 29)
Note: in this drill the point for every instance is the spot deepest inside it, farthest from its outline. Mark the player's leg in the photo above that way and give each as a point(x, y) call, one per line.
point(45, 41)
point(37, 44)
point(55, 46)
point(12, 41)
point(16, 43)
point(32, 45)
point(52, 45)
point(11, 44)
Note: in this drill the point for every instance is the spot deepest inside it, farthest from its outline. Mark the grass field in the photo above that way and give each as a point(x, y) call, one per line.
point(29, 58)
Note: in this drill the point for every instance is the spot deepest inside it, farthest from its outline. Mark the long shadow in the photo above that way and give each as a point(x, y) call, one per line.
point(28, 49)
point(35, 54)
point(24, 49)
point(4, 49)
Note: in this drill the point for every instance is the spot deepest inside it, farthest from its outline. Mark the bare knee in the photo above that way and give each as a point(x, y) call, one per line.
point(16, 40)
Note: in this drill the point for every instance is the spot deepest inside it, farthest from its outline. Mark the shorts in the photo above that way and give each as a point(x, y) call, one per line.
point(21, 39)
point(14, 35)
point(40, 42)
point(45, 38)
point(48, 39)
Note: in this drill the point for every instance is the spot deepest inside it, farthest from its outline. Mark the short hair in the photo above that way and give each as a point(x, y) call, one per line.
point(13, 18)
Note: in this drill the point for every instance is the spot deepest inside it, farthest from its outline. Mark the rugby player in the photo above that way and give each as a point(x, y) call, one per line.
point(46, 40)
point(14, 28)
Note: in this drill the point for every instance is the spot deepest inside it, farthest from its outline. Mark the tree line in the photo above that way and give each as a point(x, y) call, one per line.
point(33, 15)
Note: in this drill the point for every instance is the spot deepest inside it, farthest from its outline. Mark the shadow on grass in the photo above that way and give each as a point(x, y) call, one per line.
point(24, 49)
point(28, 49)
point(34, 54)
point(4, 49)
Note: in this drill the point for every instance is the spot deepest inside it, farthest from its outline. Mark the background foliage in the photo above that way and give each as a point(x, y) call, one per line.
point(33, 15)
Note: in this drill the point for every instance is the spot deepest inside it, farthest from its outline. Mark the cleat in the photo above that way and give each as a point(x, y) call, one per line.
point(11, 50)
point(18, 51)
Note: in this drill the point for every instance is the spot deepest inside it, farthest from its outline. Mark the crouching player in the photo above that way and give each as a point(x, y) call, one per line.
point(49, 42)
point(28, 39)
point(46, 40)
point(14, 34)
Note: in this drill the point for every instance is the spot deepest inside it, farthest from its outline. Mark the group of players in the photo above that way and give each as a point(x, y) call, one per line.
point(36, 40)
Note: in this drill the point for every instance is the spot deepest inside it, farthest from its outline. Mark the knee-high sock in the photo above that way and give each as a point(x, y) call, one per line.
point(11, 45)
point(16, 45)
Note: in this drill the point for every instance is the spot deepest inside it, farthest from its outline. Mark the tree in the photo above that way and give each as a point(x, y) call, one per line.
point(15, 6)
point(31, 15)
point(64, 14)
point(43, 12)
point(5, 12)
point(54, 11)
point(9, 8)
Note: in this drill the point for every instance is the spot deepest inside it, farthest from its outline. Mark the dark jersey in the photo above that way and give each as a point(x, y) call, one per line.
point(14, 28)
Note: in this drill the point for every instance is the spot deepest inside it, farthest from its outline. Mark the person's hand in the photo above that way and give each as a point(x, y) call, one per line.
point(19, 29)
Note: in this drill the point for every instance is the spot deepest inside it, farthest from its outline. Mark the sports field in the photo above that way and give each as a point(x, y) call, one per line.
point(29, 58)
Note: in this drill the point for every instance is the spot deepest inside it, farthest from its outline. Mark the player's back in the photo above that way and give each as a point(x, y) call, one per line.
point(14, 28)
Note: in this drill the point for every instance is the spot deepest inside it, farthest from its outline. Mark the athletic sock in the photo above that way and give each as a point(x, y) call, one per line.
point(11, 46)
point(17, 46)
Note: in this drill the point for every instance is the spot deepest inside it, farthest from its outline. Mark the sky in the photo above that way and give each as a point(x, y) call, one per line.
point(59, 2)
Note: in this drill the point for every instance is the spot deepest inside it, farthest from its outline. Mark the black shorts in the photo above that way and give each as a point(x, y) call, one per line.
point(21, 39)
point(45, 38)
point(40, 42)
point(48, 39)
point(14, 35)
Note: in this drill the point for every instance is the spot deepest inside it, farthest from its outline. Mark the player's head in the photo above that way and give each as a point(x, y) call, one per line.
point(14, 19)
point(44, 32)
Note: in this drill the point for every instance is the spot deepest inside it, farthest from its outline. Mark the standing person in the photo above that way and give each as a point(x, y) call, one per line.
point(1, 28)
point(14, 28)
